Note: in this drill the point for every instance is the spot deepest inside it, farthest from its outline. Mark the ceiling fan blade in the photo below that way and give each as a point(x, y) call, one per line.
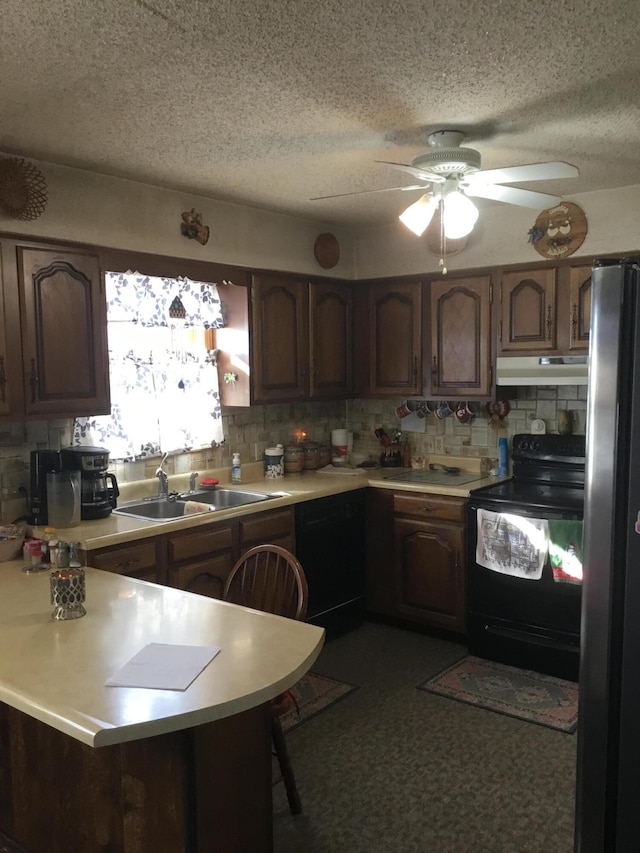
point(532, 172)
point(417, 173)
point(369, 192)
point(513, 195)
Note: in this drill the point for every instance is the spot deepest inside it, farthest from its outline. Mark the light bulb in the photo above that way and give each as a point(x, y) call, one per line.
point(418, 215)
point(460, 215)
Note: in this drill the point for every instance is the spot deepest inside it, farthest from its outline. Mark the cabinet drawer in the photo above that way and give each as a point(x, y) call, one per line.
point(123, 561)
point(429, 506)
point(186, 546)
point(266, 527)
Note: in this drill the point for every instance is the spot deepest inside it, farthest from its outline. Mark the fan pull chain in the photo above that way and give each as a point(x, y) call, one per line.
point(443, 244)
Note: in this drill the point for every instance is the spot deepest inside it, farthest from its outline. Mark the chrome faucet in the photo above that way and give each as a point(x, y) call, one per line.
point(193, 479)
point(163, 479)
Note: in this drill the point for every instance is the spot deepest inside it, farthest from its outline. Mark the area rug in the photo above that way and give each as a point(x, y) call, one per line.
point(520, 693)
point(314, 694)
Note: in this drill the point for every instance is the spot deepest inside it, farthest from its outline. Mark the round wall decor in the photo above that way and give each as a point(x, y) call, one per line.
point(326, 250)
point(559, 230)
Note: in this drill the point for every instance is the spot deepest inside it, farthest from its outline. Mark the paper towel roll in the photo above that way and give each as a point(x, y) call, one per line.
point(339, 437)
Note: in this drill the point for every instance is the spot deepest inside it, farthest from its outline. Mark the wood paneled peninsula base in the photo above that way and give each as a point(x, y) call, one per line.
point(87, 767)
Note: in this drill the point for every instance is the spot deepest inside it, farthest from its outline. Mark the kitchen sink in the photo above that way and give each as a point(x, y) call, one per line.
point(224, 498)
point(161, 509)
point(156, 509)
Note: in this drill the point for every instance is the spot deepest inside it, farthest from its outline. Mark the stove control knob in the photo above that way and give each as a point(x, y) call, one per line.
point(535, 445)
point(523, 445)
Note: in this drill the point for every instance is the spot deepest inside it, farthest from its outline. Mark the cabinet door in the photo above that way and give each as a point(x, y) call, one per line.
point(379, 551)
point(279, 339)
point(579, 308)
point(395, 320)
point(430, 572)
point(201, 559)
point(64, 333)
point(528, 311)
point(330, 343)
point(461, 337)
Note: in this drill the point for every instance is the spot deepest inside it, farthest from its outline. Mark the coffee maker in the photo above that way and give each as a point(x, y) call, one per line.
point(98, 488)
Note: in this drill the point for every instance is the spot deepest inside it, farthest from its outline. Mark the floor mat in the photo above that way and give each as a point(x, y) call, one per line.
point(521, 693)
point(314, 694)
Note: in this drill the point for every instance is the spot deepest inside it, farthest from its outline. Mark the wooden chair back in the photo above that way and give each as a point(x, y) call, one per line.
point(271, 579)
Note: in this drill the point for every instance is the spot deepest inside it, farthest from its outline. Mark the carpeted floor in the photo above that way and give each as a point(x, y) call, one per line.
point(392, 769)
point(313, 693)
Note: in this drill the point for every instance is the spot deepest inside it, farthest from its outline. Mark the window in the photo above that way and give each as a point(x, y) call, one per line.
point(164, 382)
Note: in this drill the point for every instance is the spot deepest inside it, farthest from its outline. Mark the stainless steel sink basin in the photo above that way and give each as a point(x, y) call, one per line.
point(160, 509)
point(225, 498)
point(153, 510)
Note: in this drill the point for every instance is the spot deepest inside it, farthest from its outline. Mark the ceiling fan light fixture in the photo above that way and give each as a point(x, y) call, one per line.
point(419, 214)
point(459, 215)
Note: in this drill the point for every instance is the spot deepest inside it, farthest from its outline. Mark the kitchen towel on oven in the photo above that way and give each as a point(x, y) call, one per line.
point(565, 550)
point(512, 544)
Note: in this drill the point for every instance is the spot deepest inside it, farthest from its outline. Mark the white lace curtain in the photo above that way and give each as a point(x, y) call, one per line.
point(164, 383)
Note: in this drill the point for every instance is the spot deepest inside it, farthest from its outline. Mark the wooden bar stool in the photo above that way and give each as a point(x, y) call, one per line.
point(271, 579)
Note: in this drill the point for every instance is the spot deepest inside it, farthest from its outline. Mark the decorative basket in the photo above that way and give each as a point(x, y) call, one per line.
point(23, 189)
point(11, 541)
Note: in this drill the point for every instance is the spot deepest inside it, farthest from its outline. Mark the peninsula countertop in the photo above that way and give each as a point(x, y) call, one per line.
point(56, 671)
point(291, 489)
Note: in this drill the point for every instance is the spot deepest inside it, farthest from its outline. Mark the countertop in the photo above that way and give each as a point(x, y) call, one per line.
point(56, 671)
point(291, 489)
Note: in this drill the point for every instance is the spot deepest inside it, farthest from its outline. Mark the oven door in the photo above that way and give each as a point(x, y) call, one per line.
point(522, 610)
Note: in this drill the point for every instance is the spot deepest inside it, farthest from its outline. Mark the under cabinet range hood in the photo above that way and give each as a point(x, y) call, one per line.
point(542, 370)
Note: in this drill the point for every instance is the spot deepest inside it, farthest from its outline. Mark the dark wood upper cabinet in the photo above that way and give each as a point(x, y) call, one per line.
point(330, 325)
point(300, 339)
point(5, 380)
point(528, 311)
point(57, 360)
point(460, 362)
point(394, 339)
point(279, 338)
point(579, 308)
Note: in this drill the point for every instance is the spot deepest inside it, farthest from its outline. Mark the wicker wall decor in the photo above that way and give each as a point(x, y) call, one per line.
point(23, 189)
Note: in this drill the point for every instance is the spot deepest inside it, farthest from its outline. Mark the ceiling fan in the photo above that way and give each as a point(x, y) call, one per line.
point(452, 177)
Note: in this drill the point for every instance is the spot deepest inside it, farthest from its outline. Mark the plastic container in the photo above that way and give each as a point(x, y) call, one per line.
point(503, 457)
point(236, 470)
point(274, 462)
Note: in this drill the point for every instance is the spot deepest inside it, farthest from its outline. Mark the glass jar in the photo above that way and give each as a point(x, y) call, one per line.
point(293, 458)
point(311, 455)
point(324, 455)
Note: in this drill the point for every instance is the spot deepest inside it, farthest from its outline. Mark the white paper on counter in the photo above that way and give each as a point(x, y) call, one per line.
point(163, 666)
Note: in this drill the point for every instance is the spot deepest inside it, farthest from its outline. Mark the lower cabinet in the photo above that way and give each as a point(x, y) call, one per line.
point(417, 571)
point(143, 559)
point(198, 559)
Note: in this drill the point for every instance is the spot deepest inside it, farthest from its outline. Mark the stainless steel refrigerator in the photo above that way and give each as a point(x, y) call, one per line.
point(608, 770)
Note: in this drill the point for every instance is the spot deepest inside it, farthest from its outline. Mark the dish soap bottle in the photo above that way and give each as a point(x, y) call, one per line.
point(236, 471)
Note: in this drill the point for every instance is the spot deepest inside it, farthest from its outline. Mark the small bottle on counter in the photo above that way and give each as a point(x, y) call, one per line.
point(74, 555)
point(48, 537)
point(236, 470)
point(63, 555)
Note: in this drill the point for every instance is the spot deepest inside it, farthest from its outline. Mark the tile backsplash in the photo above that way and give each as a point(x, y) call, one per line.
point(249, 431)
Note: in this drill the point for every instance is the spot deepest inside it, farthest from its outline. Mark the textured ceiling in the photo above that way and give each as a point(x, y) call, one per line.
point(272, 103)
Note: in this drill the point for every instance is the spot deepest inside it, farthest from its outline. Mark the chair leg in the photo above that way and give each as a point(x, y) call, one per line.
point(286, 769)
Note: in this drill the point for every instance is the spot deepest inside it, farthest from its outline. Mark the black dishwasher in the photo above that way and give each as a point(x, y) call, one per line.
point(330, 545)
